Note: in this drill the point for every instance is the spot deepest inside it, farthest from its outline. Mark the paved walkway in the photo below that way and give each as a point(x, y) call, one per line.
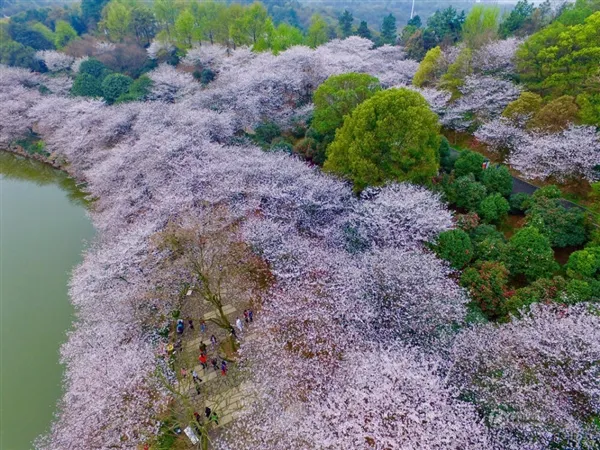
point(226, 404)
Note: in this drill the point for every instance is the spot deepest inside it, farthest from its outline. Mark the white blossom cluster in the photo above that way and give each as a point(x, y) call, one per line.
point(261, 86)
point(497, 57)
point(55, 61)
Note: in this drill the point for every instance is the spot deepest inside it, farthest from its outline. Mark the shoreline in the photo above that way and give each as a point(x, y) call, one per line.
point(18, 150)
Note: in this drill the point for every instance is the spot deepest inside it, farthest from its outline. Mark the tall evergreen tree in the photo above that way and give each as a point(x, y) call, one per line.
point(345, 21)
point(388, 30)
point(363, 30)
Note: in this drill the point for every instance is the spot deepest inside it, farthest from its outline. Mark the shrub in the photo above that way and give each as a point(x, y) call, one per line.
point(543, 290)
point(487, 284)
point(584, 263)
point(550, 191)
point(206, 76)
point(94, 68)
point(469, 162)
point(466, 193)
point(266, 132)
point(519, 203)
point(447, 157)
point(467, 222)
point(455, 247)
point(86, 85)
point(564, 227)
point(490, 249)
point(529, 253)
point(494, 208)
point(498, 179)
point(115, 85)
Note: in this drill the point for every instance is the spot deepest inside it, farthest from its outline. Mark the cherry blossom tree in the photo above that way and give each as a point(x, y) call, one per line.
point(169, 84)
point(55, 61)
point(535, 379)
point(483, 99)
point(401, 215)
point(501, 135)
point(497, 57)
point(571, 153)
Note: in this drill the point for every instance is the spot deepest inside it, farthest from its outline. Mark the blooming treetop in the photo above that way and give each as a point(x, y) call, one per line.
point(535, 379)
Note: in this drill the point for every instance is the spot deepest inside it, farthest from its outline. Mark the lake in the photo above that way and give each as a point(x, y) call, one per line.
point(43, 231)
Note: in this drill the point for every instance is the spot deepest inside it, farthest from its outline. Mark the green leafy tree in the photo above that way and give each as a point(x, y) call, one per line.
point(447, 157)
point(187, 29)
point(556, 115)
point(255, 21)
point(466, 193)
point(63, 34)
point(444, 27)
point(481, 25)
point(488, 242)
point(44, 30)
point(345, 23)
point(142, 22)
point(564, 227)
point(166, 12)
point(562, 59)
point(117, 19)
point(498, 179)
point(414, 22)
point(469, 162)
point(317, 32)
point(87, 85)
point(494, 208)
point(279, 38)
point(455, 247)
point(487, 282)
point(490, 249)
point(589, 112)
point(363, 30)
point(529, 253)
point(24, 34)
point(16, 54)
point(457, 72)
point(138, 90)
point(91, 10)
point(519, 202)
point(115, 85)
point(389, 30)
point(94, 68)
point(584, 263)
point(544, 290)
point(524, 108)
point(391, 136)
point(430, 69)
point(516, 23)
point(337, 97)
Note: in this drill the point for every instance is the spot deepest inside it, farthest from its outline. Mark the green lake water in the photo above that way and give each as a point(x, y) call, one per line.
point(43, 231)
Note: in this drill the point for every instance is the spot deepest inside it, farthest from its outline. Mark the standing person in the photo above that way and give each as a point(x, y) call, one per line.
point(195, 377)
point(250, 315)
point(213, 341)
point(246, 315)
point(224, 368)
point(202, 347)
point(191, 324)
point(203, 360)
point(238, 323)
point(203, 326)
point(215, 364)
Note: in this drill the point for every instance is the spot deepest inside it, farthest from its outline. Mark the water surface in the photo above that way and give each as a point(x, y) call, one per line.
point(43, 231)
